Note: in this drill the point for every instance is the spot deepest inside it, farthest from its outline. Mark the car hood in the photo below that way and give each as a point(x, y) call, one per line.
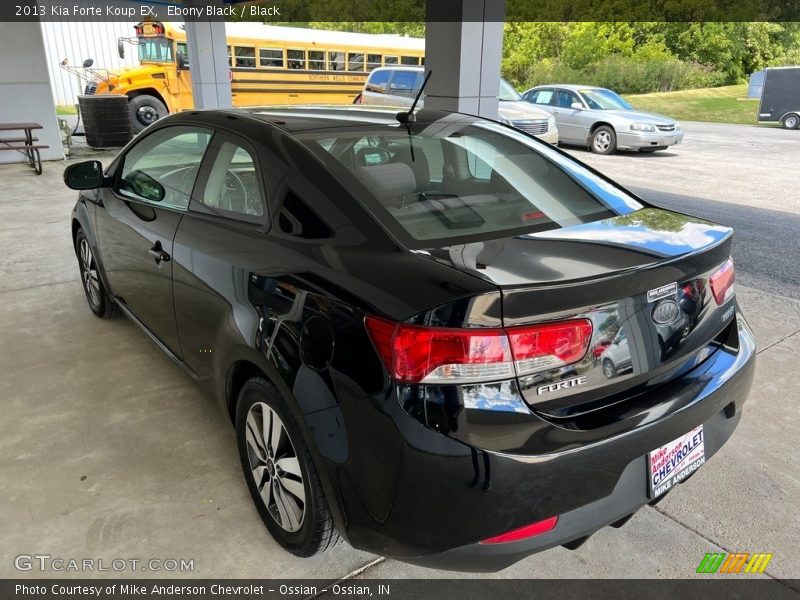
point(585, 251)
point(514, 111)
point(639, 116)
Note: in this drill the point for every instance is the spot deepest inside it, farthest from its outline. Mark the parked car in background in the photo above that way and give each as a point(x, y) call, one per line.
point(398, 86)
point(602, 120)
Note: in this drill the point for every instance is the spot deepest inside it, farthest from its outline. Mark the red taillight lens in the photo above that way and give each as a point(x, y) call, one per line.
point(721, 282)
point(549, 346)
point(414, 354)
point(528, 531)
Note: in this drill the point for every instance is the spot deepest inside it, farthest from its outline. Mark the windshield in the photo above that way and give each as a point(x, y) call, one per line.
point(508, 93)
point(605, 100)
point(157, 49)
point(453, 179)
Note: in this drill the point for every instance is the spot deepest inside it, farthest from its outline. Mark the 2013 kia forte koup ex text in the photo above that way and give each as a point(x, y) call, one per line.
point(440, 338)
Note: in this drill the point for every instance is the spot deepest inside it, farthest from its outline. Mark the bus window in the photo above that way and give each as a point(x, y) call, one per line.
point(271, 58)
point(296, 59)
point(409, 60)
point(391, 60)
point(157, 49)
point(230, 54)
point(245, 56)
point(336, 61)
point(373, 61)
point(355, 61)
point(316, 60)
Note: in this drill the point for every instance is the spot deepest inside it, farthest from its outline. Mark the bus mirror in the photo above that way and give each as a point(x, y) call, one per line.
point(88, 63)
point(183, 62)
point(120, 49)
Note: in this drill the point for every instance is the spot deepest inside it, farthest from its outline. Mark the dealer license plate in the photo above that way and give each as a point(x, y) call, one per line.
point(672, 463)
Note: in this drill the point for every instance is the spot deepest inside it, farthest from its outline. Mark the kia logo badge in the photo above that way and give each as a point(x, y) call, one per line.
point(665, 312)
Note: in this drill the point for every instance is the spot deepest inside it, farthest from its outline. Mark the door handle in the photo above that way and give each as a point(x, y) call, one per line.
point(158, 253)
point(555, 112)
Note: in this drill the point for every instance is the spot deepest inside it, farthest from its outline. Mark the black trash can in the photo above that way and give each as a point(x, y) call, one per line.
point(106, 120)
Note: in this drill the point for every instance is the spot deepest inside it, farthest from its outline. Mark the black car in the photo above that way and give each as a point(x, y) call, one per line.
point(398, 317)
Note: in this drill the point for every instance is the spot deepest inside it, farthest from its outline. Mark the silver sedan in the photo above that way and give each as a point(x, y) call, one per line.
point(602, 120)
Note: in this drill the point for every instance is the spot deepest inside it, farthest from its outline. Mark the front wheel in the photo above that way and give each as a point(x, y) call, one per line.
point(280, 473)
point(609, 370)
point(790, 121)
point(604, 140)
point(96, 295)
point(145, 110)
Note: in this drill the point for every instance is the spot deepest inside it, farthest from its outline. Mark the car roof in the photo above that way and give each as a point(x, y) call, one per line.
point(297, 118)
point(398, 68)
point(570, 86)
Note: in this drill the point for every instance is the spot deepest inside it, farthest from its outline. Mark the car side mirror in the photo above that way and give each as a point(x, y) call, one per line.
point(87, 175)
point(576, 106)
point(120, 49)
point(183, 62)
point(142, 185)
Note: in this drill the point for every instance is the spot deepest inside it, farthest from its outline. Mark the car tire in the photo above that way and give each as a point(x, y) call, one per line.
point(609, 370)
point(603, 140)
point(100, 302)
point(281, 476)
point(145, 110)
point(790, 121)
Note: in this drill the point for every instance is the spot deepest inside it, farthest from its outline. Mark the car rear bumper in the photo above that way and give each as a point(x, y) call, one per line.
point(635, 140)
point(446, 497)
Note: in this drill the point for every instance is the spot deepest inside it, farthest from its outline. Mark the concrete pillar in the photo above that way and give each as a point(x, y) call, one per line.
point(211, 86)
point(25, 91)
point(463, 48)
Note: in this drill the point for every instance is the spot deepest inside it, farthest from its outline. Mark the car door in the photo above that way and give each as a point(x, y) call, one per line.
point(219, 242)
point(153, 182)
point(567, 118)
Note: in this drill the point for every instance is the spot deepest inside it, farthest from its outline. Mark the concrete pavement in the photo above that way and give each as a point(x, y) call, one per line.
point(107, 450)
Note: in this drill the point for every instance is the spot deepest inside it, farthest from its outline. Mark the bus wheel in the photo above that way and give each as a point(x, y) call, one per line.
point(145, 110)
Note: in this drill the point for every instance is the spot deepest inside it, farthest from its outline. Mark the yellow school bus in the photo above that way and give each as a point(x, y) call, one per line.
point(268, 65)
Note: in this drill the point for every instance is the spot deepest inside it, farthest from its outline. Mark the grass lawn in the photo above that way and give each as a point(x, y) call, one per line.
point(66, 110)
point(719, 105)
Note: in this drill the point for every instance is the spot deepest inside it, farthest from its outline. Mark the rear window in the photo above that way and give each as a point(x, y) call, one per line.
point(446, 181)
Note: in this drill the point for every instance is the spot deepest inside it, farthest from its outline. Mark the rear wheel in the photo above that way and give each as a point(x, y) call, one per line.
point(604, 140)
point(280, 473)
point(145, 110)
point(791, 121)
point(99, 301)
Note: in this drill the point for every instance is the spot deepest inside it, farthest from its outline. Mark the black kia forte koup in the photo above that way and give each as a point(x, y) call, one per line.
point(408, 323)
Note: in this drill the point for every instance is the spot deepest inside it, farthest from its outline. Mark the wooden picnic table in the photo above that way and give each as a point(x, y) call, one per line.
point(25, 144)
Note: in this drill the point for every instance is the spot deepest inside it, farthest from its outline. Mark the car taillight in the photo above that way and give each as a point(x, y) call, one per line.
point(721, 282)
point(414, 354)
point(523, 533)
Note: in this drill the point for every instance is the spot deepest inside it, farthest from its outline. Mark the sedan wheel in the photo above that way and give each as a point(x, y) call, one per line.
point(608, 369)
point(280, 473)
point(604, 140)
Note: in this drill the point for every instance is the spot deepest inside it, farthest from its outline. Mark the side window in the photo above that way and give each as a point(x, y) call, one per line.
point(245, 56)
point(409, 60)
point(316, 60)
point(391, 60)
point(297, 218)
point(403, 83)
point(336, 61)
point(373, 61)
point(271, 58)
point(355, 61)
point(183, 49)
point(163, 166)
point(232, 188)
point(564, 99)
point(540, 96)
point(296, 59)
point(377, 81)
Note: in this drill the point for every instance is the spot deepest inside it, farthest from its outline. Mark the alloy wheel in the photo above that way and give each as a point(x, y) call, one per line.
point(275, 467)
point(791, 122)
point(602, 141)
point(89, 276)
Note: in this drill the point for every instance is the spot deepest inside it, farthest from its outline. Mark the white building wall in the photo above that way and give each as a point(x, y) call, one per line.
point(78, 41)
point(25, 91)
